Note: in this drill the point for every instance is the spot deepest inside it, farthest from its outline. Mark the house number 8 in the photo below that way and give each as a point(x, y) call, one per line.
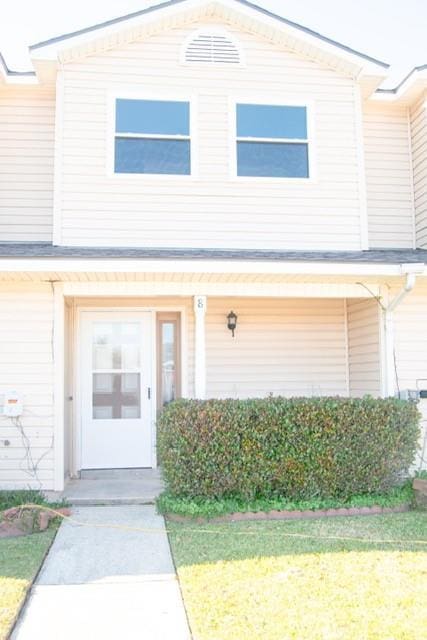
point(200, 303)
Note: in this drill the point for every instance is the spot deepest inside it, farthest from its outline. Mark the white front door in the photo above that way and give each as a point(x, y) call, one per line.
point(116, 384)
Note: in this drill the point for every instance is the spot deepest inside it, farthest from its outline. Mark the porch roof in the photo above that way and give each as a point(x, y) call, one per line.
point(372, 256)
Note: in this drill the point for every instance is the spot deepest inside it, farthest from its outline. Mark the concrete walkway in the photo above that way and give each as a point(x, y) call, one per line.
point(107, 583)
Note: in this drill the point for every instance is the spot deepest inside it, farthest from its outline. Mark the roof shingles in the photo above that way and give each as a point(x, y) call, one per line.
point(46, 250)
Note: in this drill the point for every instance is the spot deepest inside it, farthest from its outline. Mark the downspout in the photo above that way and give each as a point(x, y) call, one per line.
point(411, 271)
point(411, 279)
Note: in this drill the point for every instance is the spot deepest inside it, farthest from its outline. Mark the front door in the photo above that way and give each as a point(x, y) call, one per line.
point(116, 354)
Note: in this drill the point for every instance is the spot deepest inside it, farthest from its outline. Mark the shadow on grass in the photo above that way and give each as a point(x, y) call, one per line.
point(198, 544)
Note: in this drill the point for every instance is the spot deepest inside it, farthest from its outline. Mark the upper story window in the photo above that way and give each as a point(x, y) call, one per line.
point(152, 136)
point(272, 141)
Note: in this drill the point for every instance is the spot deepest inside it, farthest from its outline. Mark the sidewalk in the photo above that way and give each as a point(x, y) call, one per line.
point(107, 583)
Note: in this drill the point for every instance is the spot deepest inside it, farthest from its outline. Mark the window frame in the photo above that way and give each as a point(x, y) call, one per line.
point(174, 317)
point(128, 94)
point(274, 101)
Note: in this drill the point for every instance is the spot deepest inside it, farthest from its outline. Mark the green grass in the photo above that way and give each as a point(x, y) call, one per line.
point(211, 508)
point(305, 579)
point(20, 560)
point(10, 499)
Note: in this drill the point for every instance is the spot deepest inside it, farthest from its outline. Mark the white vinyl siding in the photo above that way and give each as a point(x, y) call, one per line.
point(26, 313)
point(410, 327)
point(27, 123)
point(364, 349)
point(211, 210)
point(286, 347)
point(418, 115)
point(388, 176)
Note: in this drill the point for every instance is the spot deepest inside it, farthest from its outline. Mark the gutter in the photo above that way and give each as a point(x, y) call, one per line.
point(192, 265)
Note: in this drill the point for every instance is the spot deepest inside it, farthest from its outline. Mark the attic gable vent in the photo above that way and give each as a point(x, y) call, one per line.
point(211, 47)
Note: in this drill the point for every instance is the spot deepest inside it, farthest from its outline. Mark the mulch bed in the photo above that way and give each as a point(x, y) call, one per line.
point(291, 515)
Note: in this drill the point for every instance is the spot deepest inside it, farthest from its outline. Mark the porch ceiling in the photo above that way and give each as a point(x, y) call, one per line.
point(183, 277)
point(255, 285)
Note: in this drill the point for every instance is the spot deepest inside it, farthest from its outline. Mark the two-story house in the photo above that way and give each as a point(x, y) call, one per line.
point(200, 199)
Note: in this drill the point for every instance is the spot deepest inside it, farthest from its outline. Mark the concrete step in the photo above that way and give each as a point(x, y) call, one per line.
point(114, 487)
point(90, 501)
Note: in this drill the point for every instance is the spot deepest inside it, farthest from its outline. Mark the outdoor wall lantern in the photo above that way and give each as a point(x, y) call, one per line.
point(232, 322)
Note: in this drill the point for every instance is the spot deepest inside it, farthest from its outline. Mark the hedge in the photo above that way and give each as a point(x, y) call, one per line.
point(301, 448)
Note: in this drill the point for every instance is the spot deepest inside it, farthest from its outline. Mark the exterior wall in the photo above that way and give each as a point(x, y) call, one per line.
point(212, 209)
point(282, 346)
point(27, 123)
point(418, 115)
point(364, 349)
point(411, 350)
point(26, 365)
point(388, 176)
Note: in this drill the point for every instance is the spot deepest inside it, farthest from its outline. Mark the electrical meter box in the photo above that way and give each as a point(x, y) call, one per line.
point(409, 394)
point(13, 405)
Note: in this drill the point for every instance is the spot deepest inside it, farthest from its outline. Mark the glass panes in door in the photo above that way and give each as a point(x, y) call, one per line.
point(168, 364)
point(116, 374)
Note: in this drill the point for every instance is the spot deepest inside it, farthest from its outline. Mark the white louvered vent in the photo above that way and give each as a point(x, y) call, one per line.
point(211, 48)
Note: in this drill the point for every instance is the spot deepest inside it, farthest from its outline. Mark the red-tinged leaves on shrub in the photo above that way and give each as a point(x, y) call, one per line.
point(301, 448)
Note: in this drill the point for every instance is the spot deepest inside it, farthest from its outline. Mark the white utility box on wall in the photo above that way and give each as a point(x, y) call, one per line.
point(13, 405)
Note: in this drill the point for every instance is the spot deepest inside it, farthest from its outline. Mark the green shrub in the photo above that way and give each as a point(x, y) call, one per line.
point(301, 448)
point(14, 498)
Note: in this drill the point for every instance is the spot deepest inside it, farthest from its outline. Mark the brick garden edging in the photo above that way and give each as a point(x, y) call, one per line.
point(291, 515)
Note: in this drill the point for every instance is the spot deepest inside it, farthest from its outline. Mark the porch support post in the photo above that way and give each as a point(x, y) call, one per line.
point(199, 347)
point(389, 385)
point(58, 363)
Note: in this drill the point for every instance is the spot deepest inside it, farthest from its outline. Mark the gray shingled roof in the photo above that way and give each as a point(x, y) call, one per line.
point(45, 250)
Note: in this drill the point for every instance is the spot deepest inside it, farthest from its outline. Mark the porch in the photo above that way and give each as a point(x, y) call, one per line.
point(114, 487)
point(324, 344)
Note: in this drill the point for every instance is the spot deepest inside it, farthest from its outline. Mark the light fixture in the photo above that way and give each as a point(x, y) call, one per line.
point(232, 322)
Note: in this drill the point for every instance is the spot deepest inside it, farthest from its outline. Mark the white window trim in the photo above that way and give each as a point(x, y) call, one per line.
point(218, 31)
point(129, 94)
point(281, 101)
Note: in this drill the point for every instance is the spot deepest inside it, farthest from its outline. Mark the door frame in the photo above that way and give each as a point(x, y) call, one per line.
point(79, 310)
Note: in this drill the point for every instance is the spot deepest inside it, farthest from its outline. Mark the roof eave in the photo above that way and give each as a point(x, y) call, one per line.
point(8, 76)
point(408, 89)
point(51, 49)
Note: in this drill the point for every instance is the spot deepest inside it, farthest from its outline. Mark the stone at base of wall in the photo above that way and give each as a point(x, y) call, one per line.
point(291, 515)
point(420, 493)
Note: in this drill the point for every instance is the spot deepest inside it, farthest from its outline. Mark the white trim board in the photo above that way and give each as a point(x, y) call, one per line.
point(118, 265)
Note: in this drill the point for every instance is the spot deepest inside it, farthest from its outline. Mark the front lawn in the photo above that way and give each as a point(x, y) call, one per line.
point(305, 579)
point(20, 560)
